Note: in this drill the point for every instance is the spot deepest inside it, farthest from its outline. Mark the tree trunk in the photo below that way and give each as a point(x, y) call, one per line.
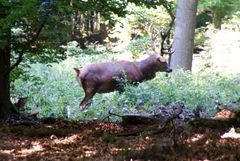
point(91, 21)
point(104, 31)
point(217, 21)
point(184, 34)
point(5, 103)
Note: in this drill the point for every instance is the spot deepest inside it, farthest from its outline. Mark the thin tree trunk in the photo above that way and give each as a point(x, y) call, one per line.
point(217, 21)
point(97, 21)
point(87, 20)
point(91, 21)
point(184, 34)
point(104, 31)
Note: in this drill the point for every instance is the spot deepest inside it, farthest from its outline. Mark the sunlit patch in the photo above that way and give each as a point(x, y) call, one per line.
point(138, 147)
point(196, 137)
point(6, 151)
point(147, 138)
point(110, 128)
point(89, 151)
point(135, 147)
point(116, 150)
point(67, 140)
point(36, 147)
point(224, 114)
point(231, 134)
point(208, 142)
point(224, 54)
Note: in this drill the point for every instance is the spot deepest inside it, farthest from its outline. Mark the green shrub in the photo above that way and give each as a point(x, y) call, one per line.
point(53, 91)
point(200, 38)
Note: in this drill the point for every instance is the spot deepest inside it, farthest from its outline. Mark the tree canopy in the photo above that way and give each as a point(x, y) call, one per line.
point(34, 29)
point(220, 9)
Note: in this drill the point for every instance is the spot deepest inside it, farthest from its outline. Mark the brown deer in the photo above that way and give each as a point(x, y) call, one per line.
point(100, 78)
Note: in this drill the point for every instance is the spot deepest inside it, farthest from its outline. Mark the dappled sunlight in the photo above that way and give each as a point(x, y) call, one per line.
point(7, 151)
point(89, 150)
point(138, 147)
point(100, 140)
point(135, 147)
point(36, 147)
point(223, 53)
point(127, 55)
point(115, 150)
point(226, 50)
point(196, 137)
point(68, 140)
point(231, 134)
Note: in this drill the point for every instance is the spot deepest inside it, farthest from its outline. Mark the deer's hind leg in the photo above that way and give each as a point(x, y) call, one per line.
point(89, 93)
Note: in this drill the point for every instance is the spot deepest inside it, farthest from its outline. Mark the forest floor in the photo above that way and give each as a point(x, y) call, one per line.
point(30, 138)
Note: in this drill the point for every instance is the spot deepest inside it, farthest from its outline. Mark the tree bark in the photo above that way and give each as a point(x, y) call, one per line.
point(5, 50)
point(104, 31)
point(5, 103)
point(184, 34)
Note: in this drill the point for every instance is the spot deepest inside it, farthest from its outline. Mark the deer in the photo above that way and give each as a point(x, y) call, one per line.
point(101, 77)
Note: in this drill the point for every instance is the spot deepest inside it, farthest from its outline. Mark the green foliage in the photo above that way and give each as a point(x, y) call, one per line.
point(220, 9)
point(201, 89)
point(72, 49)
point(53, 91)
point(109, 138)
point(218, 3)
point(142, 24)
point(234, 22)
point(45, 86)
point(41, 27)
point(142, 18)
point(203, 19)
point(171, 4)
point(200, 37)
point(138, 46)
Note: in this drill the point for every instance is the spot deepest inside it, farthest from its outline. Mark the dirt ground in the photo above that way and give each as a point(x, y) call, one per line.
point(50, 139)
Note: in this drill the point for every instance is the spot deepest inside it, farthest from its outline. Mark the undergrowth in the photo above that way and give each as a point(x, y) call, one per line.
point(53, 91)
